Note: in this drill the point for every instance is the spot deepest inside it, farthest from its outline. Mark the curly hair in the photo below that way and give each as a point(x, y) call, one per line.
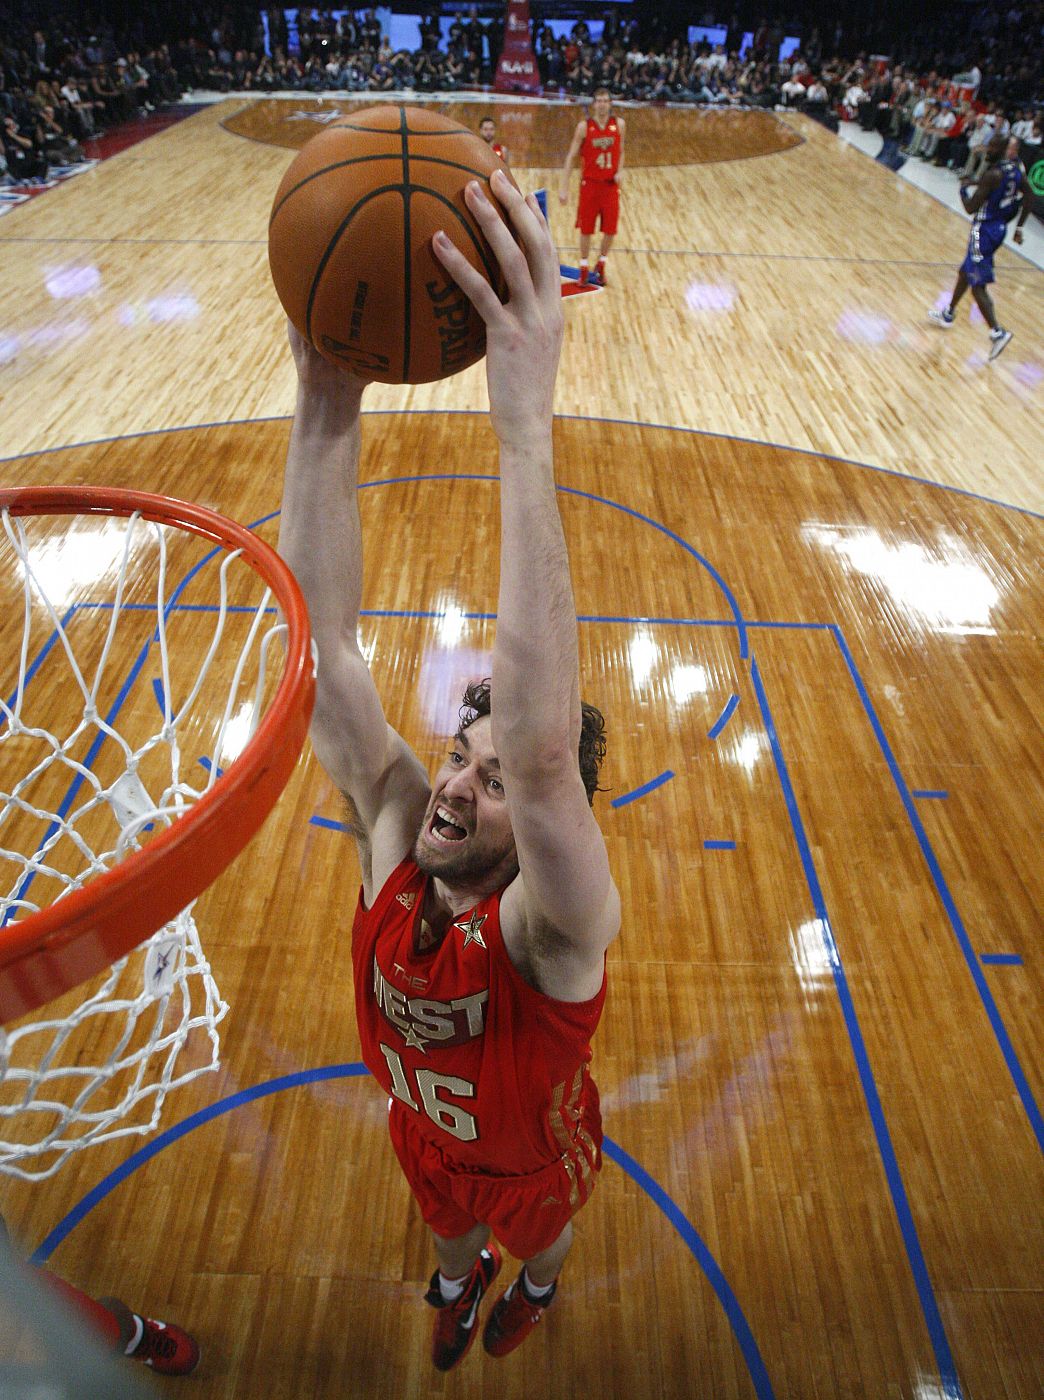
point(477, 703)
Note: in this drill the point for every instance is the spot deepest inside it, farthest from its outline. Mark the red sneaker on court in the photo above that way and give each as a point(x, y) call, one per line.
point(513, 1318)
point(168, 1349)
point(455, 1328)
point(584, 274)
point(164, 1347)
point(599, 274)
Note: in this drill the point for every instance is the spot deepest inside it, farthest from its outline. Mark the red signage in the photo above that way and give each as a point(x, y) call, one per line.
point(517, 66)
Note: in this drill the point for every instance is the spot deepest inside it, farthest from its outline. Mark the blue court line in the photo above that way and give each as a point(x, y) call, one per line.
point(356, 1070)
point(78, 779)
point(475, 412)
point(897, 1190)
point(39, 659)
point(637, 792)
point(937, 793)
point(330, 824)
point(719, 845)
point(738, 619)
point(119, 1174)
point(117, 705)
point(206, 763)
point(700, 253)
point(1000, 1031)
point(153, 242)
point(1001, 959)
point(717, 1280)
point(638, 619)
point(723, 719)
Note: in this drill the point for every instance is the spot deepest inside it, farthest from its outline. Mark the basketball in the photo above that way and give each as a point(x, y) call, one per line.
point(349, 243)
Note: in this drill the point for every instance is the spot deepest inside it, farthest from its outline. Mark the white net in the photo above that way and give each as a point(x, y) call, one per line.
point(142, 667)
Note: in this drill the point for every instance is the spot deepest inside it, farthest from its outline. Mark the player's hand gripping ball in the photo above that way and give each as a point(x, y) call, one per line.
point(349, 243)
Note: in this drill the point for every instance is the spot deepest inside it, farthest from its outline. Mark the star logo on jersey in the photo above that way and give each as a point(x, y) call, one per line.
point(470, 929)
point(414, 1041)
point(407, 899)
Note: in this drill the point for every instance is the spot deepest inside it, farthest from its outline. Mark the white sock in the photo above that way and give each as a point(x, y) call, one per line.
point(139, 1332)
point(531, 1290)
point(583, 262)
point(451, 1288)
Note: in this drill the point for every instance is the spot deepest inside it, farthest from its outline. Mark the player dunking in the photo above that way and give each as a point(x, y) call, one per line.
point(487, 904)
point(993, 203)
point(599, 139)
point(488, 132)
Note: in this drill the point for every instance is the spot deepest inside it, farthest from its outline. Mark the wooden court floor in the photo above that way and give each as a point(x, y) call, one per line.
point(806, 538)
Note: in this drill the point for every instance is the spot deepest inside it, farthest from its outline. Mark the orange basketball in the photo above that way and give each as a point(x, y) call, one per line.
point(349, 243)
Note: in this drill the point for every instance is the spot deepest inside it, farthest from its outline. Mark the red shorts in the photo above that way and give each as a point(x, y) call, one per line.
point(526, 1213)
point(599, 199)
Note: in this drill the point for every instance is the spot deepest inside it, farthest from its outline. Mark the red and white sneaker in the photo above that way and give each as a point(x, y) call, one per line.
point(167, 1348)
point(163, 1346)
point(599, 273)
point(513, 1318)
point(584, 275)
point(455, 1327)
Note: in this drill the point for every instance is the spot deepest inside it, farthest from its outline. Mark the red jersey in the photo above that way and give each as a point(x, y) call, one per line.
point(494, 1070)
point(601, 150)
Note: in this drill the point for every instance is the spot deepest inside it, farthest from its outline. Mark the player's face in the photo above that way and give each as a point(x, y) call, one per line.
point(486, 130)
point(602, 104)
point(466, 833)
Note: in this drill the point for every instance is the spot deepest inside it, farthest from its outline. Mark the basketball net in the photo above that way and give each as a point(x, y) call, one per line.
point(127, 765)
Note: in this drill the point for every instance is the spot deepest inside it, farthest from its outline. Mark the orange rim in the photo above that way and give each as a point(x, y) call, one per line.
point(55, 949)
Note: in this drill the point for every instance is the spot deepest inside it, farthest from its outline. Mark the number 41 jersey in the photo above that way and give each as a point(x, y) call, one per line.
point(601, 150)
point(496, 1072)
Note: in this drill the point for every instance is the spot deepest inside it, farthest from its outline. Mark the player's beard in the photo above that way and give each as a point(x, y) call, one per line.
point(475, 859)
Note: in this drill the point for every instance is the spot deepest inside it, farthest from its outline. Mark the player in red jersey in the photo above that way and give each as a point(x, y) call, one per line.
point(488, 132)
point(487, 904)
point(599, 140)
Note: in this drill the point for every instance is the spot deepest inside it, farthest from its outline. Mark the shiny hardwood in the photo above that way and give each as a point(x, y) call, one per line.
point(533, 130)
point(803, 1047)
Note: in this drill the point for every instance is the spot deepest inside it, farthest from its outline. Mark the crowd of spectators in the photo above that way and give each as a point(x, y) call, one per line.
point(62, 81)
point(942, 120)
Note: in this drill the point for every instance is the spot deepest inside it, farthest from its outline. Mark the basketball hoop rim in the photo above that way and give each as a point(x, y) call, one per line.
point(49, 952)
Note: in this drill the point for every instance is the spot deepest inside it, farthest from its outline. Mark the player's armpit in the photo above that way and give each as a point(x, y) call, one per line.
point(356, 828)
point(561, 967)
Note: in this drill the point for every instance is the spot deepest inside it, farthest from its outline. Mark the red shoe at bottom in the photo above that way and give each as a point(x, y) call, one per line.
point(584, 275)
point(512, 1319)
point(164, 1347)
point(455, 1325)
point(599, 275)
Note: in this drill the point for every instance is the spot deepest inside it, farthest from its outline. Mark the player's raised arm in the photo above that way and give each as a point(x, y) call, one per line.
point(574, 151)
point(320, 537)
point(563, 911)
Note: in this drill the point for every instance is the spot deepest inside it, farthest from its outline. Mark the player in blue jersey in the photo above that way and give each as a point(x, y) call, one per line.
point(993, 202)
